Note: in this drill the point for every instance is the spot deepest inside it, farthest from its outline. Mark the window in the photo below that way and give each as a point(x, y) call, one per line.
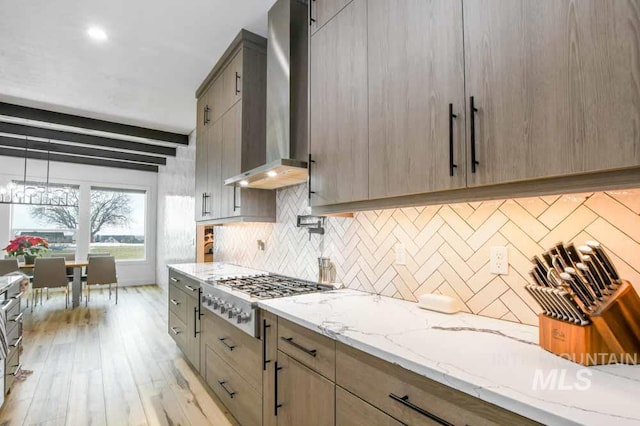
point(59, 225)
point(117, 221)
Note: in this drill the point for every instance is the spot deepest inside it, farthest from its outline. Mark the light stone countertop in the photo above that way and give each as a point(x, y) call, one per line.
point(496, 361)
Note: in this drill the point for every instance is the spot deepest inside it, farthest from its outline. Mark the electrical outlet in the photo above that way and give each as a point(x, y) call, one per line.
point(499, 260)
point(401, 254)
point(261, 245)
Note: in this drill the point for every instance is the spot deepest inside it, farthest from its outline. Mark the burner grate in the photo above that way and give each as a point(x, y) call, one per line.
point(272, 286)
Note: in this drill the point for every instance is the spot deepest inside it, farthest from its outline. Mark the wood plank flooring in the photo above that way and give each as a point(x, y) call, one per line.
point(107, 365)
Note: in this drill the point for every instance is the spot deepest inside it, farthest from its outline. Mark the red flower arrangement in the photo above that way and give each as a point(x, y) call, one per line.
point(27, 245)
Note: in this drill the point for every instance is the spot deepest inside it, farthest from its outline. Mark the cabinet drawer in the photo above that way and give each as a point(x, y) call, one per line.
point(178, 302)
point(352, 411)
point(12, 314)
point(411, 398)
point(12, 368)
point(189, 286)
point(239, 350)
point(310, 348)
point(178, 331)
point(236, 393)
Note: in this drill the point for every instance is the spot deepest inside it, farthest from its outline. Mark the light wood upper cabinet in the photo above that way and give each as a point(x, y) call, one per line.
point(555, 83)
point(338, 108)
point(306, 398)
point(216, 101)
point(416, 70)
point(233, 80)
point(214, 169)
point(201, 187)
point(231, 158)
point(323, 10)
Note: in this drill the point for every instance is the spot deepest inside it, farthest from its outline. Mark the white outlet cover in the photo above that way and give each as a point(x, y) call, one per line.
point(499, 260)
point(401, 254)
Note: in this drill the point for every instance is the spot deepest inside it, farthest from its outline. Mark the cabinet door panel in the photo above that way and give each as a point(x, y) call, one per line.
point(556, 86)
point(231, 159)
point(323, 10)
point(233, 81)
point(307, 398)
point(192, 337)
point(269, 337)
point(416, 69)
point(338, 108)
point(201, 173)
point(352, 411)
point(216, 101)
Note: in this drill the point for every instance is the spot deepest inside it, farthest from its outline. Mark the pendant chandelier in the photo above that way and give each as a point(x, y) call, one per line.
point(36, 194)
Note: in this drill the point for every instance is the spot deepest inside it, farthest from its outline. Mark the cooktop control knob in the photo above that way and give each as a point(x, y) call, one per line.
point(244, 317)
point(224, 307)
point(215, 302)
point(233, 311)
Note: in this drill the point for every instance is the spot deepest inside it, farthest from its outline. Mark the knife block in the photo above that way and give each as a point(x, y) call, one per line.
point(612, 337)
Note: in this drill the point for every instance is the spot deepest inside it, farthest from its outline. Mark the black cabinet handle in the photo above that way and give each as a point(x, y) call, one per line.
point(175, 302)
point(311, 19)
point(175, 280)
point(205, 209)
point(265, 361)
point(473, 111)
point(18, 296)
point(237, 78)
point(175, 330)
point(404, 400)
point(223, 340)
point(223, 385)
point(200, 314)
point(275, 386)
point(290, 341)
point(188, 287)
point(206, 114)
point(195, 322)
point(452, 165)
point(17, 370)
point(235, 201)
point(309, 177)
point(18, 318)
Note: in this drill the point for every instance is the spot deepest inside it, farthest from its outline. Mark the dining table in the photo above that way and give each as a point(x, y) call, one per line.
point(76, 286)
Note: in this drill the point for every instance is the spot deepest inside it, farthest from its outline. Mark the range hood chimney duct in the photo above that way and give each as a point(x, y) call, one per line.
point(287, 70)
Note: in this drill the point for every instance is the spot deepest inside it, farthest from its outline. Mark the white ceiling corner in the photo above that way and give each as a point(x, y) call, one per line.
point(146, 73)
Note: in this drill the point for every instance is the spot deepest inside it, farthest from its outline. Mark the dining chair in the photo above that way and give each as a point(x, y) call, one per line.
point(49, 272)
point(8, 266)
point(100, 271)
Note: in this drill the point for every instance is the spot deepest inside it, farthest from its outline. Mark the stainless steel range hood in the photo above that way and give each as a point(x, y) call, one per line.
point(287, 68)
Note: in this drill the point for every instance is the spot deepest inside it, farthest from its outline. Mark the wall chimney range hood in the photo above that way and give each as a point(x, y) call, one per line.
point(287, 68)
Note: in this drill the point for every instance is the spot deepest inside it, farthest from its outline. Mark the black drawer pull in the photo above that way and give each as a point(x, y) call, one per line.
point(452, 165)
point(237, 78)
point(18, 318)
point(18, 296)
point(311, 18)
point(188, 287)
point(290, 341)
point(175, 330)
point(265, 361)
point(223, 340)
point(175, 280)
point(175, 302)
point(309, 177)
point(472, 128)
point(404, 400)
point(223, 385)
point(17, 343)
point(275, 391)
point(17, 370)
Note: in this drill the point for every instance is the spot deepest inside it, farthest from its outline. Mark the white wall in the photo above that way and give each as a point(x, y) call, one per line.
point(134, 272)
point(176, 224)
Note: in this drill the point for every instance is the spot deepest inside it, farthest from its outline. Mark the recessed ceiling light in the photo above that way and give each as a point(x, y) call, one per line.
point(97, 33)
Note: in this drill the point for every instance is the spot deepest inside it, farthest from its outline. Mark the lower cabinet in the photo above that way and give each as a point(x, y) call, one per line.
point(184, 316)
point(304, 397)
point(352, 411)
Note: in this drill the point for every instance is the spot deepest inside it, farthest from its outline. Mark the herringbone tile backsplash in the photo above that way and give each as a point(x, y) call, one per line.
point(447, 246)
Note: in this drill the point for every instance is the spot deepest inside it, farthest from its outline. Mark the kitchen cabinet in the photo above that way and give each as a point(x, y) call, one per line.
point(12, 315)
point(233, 136)
point(184, 316)
point(338, 109)
point(352, 411)
point(416, 97)
point(321, 11)
point(304, 396)
point(269, 339)
point(555, 87)
point(549, 99)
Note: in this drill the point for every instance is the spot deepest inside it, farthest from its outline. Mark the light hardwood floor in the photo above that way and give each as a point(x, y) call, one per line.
point(107, 364)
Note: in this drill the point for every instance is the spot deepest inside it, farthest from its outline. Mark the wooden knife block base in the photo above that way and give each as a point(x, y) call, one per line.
point(613, 337)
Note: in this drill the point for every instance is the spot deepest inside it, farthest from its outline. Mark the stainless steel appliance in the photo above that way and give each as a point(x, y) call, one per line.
point(235, 298)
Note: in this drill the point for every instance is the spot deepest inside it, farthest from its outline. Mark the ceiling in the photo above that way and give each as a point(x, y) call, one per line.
point(146, 72)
